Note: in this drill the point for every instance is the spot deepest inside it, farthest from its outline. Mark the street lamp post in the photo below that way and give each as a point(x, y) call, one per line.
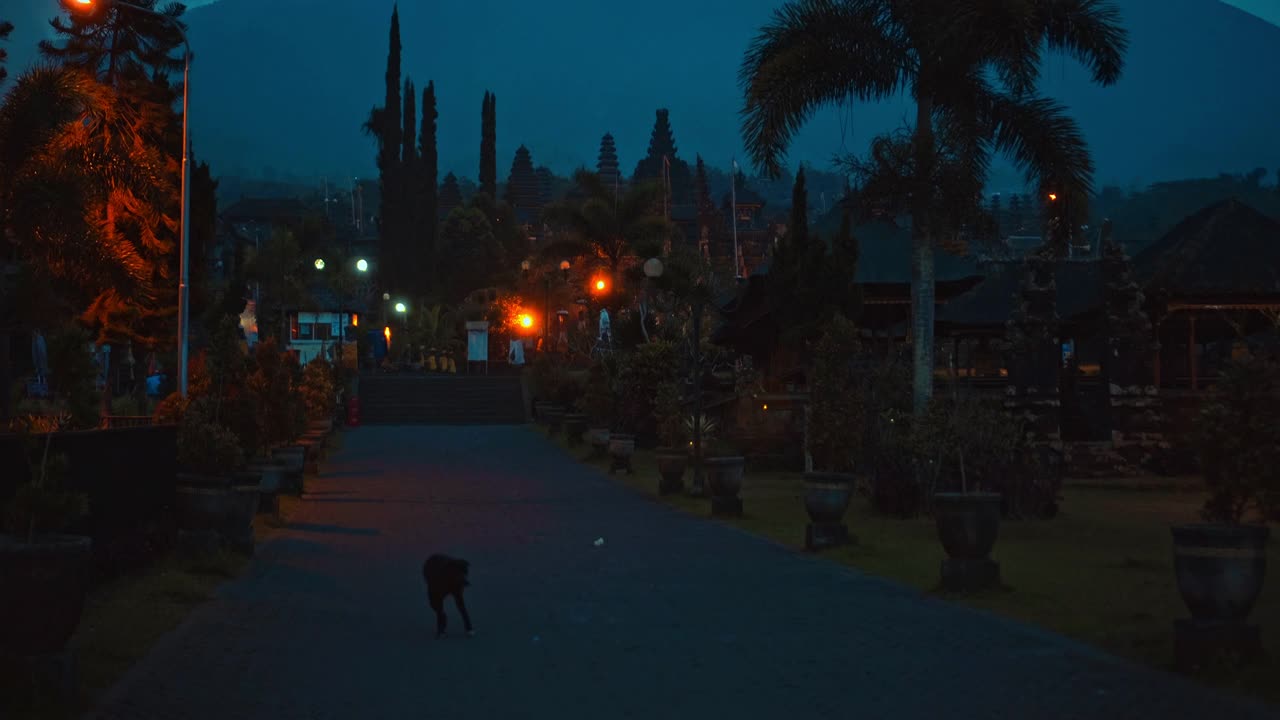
point(185, 245)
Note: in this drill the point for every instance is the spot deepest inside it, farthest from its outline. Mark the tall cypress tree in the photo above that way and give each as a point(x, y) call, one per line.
point(428, 169)
point(798, 228)
point(390, 176)
point(410, 256)
point(522, 183)
point(488, 145)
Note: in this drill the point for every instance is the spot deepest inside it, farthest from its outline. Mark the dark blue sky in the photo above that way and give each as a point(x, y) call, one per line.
point(287, 83)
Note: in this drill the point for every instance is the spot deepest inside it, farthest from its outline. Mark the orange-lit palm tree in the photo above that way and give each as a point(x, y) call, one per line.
point(75, 180)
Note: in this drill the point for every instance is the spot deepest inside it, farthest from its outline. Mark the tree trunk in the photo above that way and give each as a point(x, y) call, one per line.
point(6, 379)
point(922, 267)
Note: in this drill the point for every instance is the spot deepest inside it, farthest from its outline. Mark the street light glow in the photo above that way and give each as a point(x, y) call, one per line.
point(362, 265)
point(600, 285)
point(319, 263)
point(526, 321)
point(400, 307)
point(1053, 197)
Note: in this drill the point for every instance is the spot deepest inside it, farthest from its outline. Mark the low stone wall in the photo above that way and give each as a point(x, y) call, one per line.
point(130, 476)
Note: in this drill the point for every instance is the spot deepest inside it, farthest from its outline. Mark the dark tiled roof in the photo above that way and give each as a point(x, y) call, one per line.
point(1226, 249)
point(884, 256)
point(990, 303)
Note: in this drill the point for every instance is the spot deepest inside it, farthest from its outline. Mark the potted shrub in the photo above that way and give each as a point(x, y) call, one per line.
point(724, 466)
point(44, 574)
point(964, 448)
point(318, 396)
point(1220, 563)
point(705, 428)
point(833, 435)
point(673, 454)
point(211, 507)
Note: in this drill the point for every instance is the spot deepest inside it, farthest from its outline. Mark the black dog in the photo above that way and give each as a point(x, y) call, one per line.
point(446, 576)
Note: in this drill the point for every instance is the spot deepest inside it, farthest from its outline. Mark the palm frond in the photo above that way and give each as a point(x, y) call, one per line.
point(1043, 141)
point(815, 53)
point(1090, 30)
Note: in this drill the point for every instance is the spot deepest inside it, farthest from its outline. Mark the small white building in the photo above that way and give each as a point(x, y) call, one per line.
point(313, 333)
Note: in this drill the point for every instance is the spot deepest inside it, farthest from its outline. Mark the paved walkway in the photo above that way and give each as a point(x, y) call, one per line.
point(674, 617)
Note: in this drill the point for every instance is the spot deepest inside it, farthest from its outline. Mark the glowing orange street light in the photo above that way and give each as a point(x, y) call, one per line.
point(600, 285)
point(526, 321)
point(355, 320)
point(1053, 197)
point(386, 333)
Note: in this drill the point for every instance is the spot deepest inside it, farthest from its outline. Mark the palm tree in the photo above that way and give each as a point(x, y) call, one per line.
point(971, 68)
point(73, 177)
point(606, 226)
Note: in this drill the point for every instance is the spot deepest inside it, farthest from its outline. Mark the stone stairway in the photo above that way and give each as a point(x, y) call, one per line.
point(441, 400)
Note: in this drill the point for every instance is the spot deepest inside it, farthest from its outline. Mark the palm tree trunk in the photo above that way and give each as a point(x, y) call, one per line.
point(922, 268)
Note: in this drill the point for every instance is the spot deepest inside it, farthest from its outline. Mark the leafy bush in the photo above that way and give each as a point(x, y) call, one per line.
point(42, 505)
point(640, 373)
point(72, 374)
point(597, 399)
point(836, 406)
point(1238, 436)
point(670, 417)
point(318, 393)
point(205, 447)
point(170, 410)
point(281, 412)
point(894, 482)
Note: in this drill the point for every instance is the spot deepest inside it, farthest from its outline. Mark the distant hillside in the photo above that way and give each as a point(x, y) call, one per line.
point(1139, 217)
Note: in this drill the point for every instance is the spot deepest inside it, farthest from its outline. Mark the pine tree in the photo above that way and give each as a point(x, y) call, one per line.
point(428, 170)
point(662, 144)
point(607, 163)
point(488, 145)
point(522, 182)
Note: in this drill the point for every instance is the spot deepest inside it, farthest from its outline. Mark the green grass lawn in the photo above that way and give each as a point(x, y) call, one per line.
point(1101, 572)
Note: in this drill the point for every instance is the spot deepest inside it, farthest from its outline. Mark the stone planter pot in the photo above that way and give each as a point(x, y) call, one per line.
point(621, 448)
point(968, 524)
point(1220, 570)
point(671, 467)
point(599, 439)
point(202, 502)
point(724, 483)
point(293, 459)
point(555, 420)
point(237, 529)
point(44, 583)
point(270, 480)
point(826, 498)
point(575, 424)
point(310, 457)
point(540, 409)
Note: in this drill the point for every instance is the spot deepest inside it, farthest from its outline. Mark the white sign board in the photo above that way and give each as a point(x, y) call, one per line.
point(478, 342)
